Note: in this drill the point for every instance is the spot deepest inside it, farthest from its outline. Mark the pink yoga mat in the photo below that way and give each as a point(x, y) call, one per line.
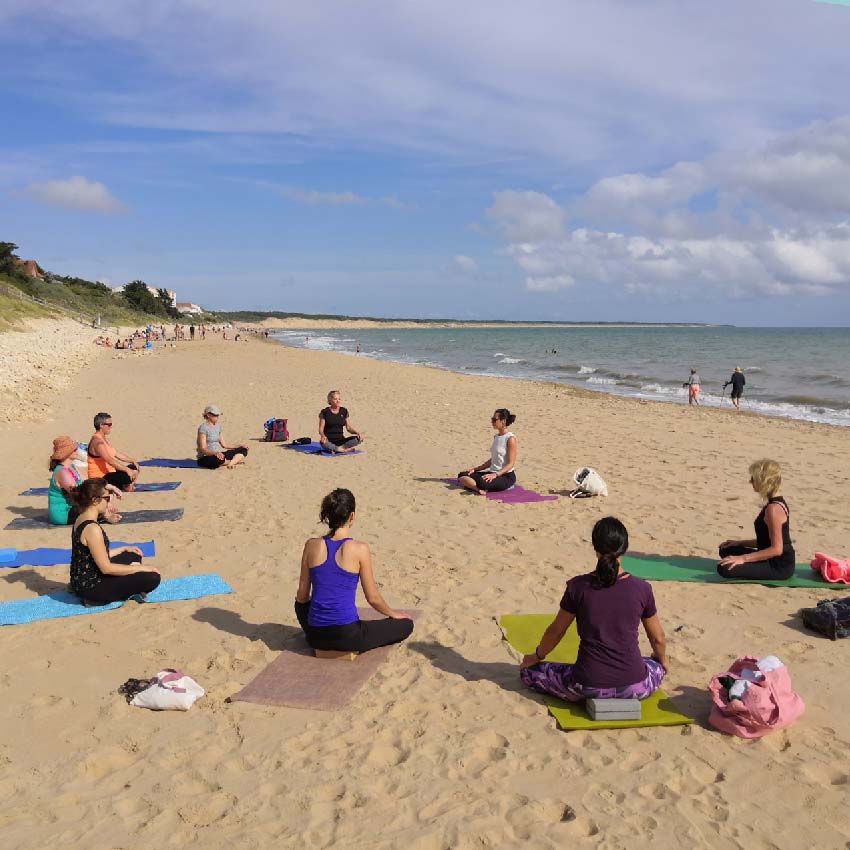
point(517, 495)
point(298, 679)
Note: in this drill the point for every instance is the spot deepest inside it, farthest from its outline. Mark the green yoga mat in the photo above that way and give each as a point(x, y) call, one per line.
point(523, 633)
point(681, 568)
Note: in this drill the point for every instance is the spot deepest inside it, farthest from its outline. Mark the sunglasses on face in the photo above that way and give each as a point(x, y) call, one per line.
point(107, 424)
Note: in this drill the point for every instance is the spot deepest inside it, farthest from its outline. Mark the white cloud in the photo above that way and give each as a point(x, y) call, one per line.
point(465, 264)
point(776, 223)
point(76, 193)
point(549, 284)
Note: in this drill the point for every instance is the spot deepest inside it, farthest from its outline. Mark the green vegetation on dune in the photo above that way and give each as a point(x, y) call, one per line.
point(14, 310)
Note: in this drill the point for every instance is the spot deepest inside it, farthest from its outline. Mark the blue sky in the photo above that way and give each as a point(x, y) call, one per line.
point(653, 161)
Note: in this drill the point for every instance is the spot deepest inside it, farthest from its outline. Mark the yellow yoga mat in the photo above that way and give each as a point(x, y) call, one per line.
point(523, 633)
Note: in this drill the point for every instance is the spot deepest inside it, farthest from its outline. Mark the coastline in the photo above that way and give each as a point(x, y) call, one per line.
point(443, 735)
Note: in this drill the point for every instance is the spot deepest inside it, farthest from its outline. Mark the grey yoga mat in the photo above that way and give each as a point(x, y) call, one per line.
point(41, 522)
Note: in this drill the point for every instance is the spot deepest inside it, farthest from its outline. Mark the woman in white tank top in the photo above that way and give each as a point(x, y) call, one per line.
point(497, 473)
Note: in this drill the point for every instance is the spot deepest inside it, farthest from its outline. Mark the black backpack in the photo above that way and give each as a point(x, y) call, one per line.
point(830, 618)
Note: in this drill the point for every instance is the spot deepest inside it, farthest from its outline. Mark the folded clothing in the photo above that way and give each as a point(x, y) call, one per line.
point(832, 569)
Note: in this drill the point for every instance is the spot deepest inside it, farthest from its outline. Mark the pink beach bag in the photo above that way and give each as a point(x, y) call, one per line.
point(767, 705)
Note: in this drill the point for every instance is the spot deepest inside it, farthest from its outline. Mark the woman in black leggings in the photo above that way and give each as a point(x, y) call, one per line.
point(496, 474)
point(99, 576)
point(331, 569)
point(771, 554)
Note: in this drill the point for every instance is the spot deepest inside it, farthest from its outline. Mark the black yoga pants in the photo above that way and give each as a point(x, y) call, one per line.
point(499, 483)
point(118, 588)
point(773, 568)
point(353, 637)
point(120, 478)
point(212, 462)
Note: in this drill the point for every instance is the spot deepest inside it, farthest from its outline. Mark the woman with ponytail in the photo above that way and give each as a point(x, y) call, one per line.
point(331, 568)
point(607, 605)
point(499, 468)
point(99, 576)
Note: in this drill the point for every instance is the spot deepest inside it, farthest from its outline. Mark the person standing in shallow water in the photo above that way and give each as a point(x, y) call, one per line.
point(737, 380)
point(693, 388)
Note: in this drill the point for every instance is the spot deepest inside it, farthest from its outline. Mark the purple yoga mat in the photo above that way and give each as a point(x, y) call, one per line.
point(517, 495)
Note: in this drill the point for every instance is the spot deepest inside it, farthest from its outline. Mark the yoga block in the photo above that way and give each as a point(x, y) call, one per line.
point(8, 555)
point(334, 653)
point(613, 709)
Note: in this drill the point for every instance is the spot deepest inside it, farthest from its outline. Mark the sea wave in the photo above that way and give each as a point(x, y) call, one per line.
point(586, 370)
point(511, 360)
point(603, 381)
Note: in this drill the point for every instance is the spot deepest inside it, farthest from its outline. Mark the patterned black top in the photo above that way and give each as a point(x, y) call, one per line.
point(85, 573)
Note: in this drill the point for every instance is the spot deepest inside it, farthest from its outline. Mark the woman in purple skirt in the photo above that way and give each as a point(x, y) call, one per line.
point(607, 605)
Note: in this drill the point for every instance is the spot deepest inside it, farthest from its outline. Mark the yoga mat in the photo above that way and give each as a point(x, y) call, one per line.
point(150, 487)
point(523, 633)
point(50, 557)
point(315, 448)
point(516, 495)
point(171, 463)
point(64, 604)
point(298, 679)
point(681, 568)
point(164, 515)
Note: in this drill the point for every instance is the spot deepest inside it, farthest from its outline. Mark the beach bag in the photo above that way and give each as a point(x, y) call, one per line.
point(769, 702)
point(276, 431)
point(588, 483)
point(831, 617)
point(831, 569)
point(170, 690)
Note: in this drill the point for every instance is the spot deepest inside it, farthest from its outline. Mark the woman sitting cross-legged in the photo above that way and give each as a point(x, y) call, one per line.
point(771, 555)
point(64, 479)
point(607, 605)
point(213, 452)
point(99, 576)
point(332, 567)
point(500, 473)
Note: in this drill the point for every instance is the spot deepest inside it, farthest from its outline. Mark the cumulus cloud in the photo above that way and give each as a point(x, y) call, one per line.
point(76, 193)
point(772, 220)
point(465, 264)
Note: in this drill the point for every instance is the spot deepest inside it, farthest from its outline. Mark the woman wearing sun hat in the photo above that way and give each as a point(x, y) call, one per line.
point(64, 479)
point(213, 452)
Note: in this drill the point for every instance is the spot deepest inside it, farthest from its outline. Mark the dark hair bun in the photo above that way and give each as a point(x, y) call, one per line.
point(336, 508)
point(504, 413)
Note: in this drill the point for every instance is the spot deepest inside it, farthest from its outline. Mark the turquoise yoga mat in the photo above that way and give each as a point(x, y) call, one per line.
point(64, 604)
point(682, 568)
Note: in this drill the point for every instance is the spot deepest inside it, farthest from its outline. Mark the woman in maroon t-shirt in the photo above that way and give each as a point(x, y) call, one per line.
point(607, 605)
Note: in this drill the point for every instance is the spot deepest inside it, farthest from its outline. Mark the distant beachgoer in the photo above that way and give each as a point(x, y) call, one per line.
point(771, 555)
point(607, 605)
point(331, 569)
point(332, 420)
point(737, 380)
point(105, 461)
point(500, 473)
point(192, 332)
point(99, 576)
point(213, 452)
point(693, 388)
point(357, 350)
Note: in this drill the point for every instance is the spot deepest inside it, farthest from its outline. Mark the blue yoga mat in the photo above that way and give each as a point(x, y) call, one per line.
point(149, 487)
point(46, 557)
point(315, 448)
point(64, 604)
point(171, 463)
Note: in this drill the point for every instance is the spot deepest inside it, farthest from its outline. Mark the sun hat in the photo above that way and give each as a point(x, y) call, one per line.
point(213, 409)
point(63, 448)
point(737, 368)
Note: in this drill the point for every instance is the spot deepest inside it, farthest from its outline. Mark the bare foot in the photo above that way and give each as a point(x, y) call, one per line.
point(113, 518)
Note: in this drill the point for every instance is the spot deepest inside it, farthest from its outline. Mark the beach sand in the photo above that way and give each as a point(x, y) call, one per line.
point(443, 748)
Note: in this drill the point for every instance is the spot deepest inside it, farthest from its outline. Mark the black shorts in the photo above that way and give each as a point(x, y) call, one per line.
point(497, 485)
point(212, 462)
point(119, 478)
point(735, 395)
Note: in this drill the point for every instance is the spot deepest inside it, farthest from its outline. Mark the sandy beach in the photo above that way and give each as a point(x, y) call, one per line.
point(443, 748)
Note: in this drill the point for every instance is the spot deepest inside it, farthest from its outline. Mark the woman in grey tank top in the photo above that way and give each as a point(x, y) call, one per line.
point(496, 473)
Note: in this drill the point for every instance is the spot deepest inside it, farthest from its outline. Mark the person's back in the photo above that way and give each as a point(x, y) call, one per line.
point(334, 588)
point(607, 619)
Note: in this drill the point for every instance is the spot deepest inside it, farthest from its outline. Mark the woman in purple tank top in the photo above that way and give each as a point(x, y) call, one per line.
point(331, 569)
point(608, 605)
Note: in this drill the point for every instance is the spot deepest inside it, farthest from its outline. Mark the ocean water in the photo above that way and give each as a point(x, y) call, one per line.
point(801, 373)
